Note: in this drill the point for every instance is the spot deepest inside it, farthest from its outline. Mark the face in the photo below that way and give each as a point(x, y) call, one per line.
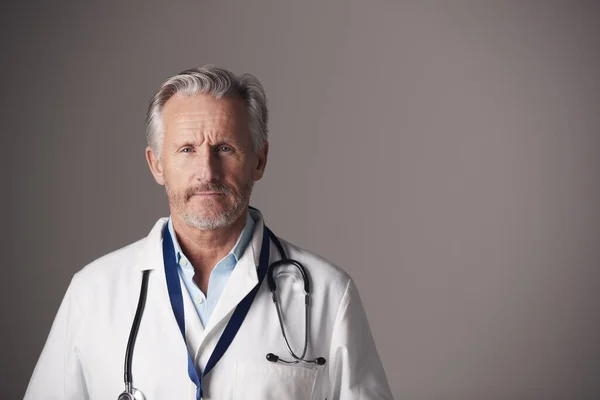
point(207, 164)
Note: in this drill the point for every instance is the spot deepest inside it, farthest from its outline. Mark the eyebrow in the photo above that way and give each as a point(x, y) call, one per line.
point(183, 141)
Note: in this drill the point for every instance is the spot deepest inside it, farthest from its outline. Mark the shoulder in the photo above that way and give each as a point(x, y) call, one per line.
point(113, 267)
point(114, 261)
point(324, 275)
point(103, 277)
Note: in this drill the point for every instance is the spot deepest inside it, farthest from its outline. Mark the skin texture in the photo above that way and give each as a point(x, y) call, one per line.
point(208, 167)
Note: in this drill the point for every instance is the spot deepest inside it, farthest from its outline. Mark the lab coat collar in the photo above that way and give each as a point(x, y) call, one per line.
point(242, 280)
point(150, 256)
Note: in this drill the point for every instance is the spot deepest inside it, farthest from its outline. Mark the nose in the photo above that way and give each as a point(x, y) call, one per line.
point(208, 166)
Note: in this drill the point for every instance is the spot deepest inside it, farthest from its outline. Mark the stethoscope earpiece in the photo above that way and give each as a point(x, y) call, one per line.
point(273, 358)
point(273, 287)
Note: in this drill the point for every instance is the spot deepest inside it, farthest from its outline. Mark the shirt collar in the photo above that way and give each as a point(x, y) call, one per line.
point(236, 251)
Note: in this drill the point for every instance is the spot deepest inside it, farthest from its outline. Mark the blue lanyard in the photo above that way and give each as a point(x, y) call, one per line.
point(240, 312)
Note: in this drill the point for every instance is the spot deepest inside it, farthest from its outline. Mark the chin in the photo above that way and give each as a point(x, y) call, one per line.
point(208, 222)
point(208, 218)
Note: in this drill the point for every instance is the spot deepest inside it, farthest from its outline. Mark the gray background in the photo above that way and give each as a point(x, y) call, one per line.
point(445, 153)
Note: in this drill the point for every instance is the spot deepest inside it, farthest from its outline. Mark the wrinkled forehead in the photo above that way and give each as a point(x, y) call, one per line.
point(201, 113)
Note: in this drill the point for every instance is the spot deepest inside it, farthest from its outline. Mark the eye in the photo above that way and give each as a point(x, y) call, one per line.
point(187, 150)
point(225, 149)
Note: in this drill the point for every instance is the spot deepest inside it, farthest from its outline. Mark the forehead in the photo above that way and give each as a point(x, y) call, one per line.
point(206, 114)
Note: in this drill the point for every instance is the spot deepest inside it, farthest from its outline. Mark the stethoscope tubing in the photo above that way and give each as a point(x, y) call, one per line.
point(134, 331)
point(129, 390)
point(284, 260)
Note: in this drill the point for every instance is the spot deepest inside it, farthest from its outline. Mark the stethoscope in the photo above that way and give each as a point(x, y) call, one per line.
point(132, 393)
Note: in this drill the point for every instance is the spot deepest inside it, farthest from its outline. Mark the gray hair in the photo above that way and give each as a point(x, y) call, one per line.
point(217, 82)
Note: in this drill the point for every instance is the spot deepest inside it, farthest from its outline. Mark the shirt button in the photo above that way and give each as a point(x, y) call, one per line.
point(199, 300)
point(184, 261)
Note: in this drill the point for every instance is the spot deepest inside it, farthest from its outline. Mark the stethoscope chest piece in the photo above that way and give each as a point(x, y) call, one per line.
point(132, 394)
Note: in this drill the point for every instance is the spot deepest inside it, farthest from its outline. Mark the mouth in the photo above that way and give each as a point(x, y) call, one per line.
point(209, 194)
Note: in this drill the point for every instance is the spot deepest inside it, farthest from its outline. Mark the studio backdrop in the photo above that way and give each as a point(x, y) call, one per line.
point(444, 153)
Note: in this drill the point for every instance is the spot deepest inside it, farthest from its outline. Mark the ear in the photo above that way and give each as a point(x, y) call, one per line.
point(262, 161)
point(155, 166)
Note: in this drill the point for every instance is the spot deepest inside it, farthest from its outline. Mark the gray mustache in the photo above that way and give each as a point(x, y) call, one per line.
point(212, 187)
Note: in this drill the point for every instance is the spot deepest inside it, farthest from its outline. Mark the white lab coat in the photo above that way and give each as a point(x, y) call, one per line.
point(84, 354)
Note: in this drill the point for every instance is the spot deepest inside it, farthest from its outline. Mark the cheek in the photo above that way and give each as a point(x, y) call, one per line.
point(242, 175)
point(174, 178)
point(233, 168)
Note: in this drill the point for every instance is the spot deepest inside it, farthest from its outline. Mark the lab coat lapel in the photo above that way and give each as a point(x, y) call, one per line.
point(194, 331)
point(151, 258)
point(243, 279)
point(161, 329)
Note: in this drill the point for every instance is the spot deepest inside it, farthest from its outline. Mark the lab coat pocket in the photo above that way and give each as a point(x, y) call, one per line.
point(274, 381)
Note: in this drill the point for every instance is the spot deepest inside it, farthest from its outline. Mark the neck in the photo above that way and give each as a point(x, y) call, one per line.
point(204, 248)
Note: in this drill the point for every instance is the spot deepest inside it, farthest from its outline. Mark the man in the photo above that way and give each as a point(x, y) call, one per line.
point(206, 325)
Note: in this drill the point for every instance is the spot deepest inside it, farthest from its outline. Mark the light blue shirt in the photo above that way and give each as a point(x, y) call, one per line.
point(218, 277)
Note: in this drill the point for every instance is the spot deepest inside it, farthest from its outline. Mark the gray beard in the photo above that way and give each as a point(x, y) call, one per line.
point(220, 220)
